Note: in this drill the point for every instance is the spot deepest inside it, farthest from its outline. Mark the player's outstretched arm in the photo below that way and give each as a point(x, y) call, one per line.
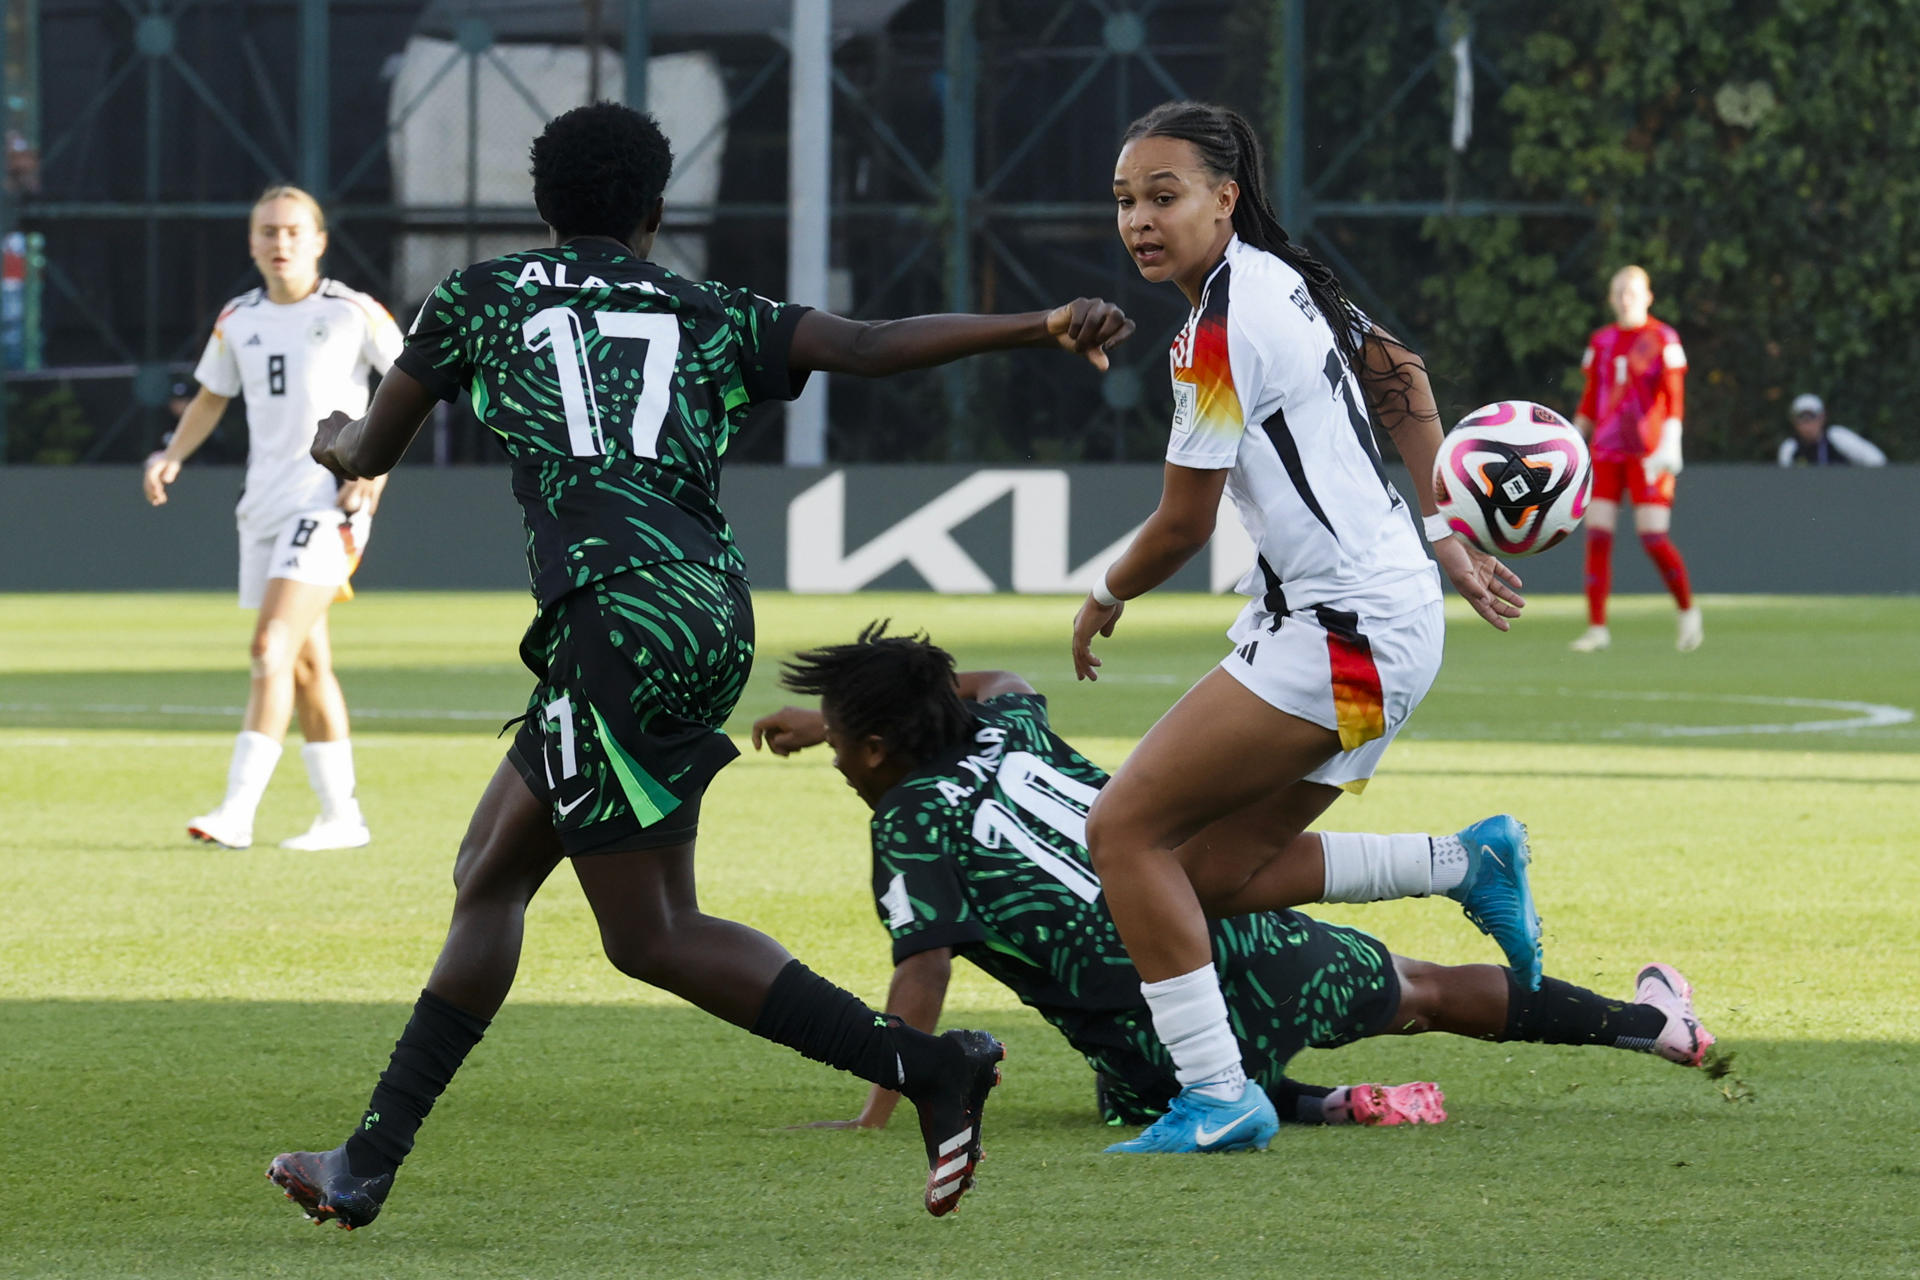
point(1483, 581)
point(1179, 527)
point(162, 468)
point(371, 445)
point(789, 729)
point(915, 996)
point(828, 343)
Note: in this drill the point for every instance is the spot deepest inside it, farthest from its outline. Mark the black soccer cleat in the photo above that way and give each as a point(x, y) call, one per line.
point(321, 1184)
point(950, 1111)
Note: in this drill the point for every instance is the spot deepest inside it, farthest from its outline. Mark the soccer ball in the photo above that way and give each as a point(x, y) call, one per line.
point(1513, 478)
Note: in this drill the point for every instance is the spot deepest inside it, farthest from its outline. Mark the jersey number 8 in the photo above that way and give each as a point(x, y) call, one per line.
point(559, 328)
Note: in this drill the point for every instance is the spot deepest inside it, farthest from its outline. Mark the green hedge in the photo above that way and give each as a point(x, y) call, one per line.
point(1761, 160)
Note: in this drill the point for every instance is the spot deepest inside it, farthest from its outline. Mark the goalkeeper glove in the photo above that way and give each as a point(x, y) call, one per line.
point(1665, 458)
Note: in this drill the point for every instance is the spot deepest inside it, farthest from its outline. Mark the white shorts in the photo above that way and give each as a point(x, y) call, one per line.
point(1360, 677)
point(321, 546)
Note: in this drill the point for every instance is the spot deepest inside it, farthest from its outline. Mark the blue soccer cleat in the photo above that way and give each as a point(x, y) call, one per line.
point(1196, 1122)
point(1496, 895)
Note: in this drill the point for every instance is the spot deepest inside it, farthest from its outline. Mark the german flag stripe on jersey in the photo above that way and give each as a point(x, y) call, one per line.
point(1359, 707)
point(219, 321)
point(1217, 410)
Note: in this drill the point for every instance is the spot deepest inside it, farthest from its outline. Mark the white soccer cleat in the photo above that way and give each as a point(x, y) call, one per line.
point(338, 833)
point(1592, 640)
point(1683, 1039)
point(221, 829)
point(1692, 630)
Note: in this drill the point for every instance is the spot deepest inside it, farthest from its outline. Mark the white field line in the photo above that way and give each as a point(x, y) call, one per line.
point(362, 713)
point(1865, 715)
point(1061, 675)
point(168, 742)
point(175, 709)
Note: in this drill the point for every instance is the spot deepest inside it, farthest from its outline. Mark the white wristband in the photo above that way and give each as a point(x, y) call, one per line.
point(1101, 596)
point(1437, 527)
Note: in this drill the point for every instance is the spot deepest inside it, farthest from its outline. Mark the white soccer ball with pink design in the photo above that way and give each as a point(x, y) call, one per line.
point(1513, 478)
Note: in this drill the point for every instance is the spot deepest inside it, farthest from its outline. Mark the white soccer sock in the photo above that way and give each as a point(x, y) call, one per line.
point(254, 755)
point(1449, 863)
point(330, 770)
point(1190, 1016)
point(1370, 868)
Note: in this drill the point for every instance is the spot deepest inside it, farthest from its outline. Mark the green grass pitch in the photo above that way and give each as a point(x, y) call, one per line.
point(171, 1017)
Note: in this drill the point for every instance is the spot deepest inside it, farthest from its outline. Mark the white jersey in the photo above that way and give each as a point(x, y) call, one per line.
point(1260, 388)
point(295, 364)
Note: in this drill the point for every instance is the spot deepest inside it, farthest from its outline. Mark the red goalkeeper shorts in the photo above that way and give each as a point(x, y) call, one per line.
point(1613, 477)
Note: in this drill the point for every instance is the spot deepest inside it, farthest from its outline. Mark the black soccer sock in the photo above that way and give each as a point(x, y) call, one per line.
point(818, 1020)
point(1299, 1103)
point(437, 1040)
point(1561, 1013)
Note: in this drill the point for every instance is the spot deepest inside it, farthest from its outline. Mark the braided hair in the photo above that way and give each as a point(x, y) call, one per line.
point(1229, 148)
point(900, 689)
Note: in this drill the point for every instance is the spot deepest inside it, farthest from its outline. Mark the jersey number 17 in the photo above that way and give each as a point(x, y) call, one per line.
point(558, 329)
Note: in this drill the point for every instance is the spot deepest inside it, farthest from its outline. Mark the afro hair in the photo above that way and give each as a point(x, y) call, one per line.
point(599, 170)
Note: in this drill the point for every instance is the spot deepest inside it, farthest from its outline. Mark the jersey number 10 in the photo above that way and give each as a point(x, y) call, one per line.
point(558, 329)
point(1056, 802)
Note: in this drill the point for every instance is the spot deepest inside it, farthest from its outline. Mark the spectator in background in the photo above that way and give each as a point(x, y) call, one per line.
point(22, 164)
point(1814, 443)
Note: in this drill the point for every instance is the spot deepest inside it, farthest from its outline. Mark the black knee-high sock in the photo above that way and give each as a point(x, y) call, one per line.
point(810, 1015)
point(1561, 1013)
point(437, 1040)
point(1299, 1103)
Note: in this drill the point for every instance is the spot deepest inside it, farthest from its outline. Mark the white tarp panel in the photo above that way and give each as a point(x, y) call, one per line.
point(428, 149)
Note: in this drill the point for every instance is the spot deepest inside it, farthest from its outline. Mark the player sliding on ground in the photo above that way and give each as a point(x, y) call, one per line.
point(1274, 375)
point(614, 387)
point(979, 851)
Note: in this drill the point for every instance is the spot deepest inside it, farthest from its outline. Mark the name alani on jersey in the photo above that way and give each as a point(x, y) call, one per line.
point(535, 272)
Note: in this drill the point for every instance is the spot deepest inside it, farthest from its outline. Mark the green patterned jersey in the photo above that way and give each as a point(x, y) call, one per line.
point(983, 850)
point(614, 386)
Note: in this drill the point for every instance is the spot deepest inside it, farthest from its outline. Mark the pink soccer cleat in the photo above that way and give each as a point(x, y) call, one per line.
point(1420, 1102)
point(1683, 1039)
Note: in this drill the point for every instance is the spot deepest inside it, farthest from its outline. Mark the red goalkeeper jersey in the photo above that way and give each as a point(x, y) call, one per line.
point(1635, 382)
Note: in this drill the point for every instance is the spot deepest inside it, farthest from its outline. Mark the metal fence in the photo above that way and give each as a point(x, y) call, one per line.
point(971, 144)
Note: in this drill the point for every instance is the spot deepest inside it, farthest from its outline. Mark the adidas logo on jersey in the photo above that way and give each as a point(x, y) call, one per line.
point(254, 341)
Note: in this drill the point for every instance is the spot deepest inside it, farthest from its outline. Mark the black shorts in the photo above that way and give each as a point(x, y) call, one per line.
point(637, 674)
